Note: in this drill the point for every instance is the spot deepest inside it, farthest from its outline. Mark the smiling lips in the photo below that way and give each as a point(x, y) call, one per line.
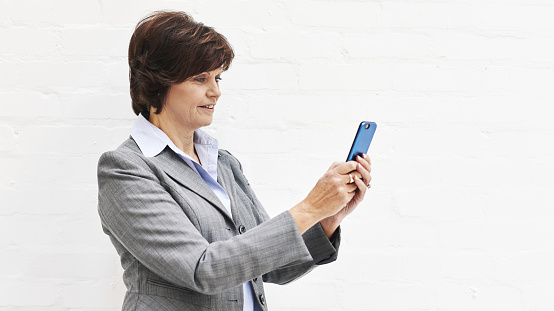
point(208, 106)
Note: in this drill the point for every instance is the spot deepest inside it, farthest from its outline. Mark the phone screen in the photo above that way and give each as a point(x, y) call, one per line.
point(362, 140)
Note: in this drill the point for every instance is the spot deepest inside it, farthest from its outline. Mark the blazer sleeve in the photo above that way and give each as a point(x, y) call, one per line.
point(322, 249)
point(138, 213)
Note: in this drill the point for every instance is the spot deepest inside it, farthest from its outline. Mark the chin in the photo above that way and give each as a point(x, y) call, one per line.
point(206, 123)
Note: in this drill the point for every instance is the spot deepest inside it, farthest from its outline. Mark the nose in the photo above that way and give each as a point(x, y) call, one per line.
point(213, 90)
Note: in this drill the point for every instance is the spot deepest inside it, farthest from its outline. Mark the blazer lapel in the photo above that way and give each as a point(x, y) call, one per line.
point(225, 179)
point(182, 173)
point(239, 201)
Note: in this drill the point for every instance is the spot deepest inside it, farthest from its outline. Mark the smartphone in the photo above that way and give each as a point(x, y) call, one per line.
point(363, 138)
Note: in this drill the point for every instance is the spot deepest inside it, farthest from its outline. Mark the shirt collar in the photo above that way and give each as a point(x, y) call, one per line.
point(152, 140)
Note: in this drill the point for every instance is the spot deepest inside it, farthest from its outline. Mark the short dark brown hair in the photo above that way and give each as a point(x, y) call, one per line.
point(167, 48)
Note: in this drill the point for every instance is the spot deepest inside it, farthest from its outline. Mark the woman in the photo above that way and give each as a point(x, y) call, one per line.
point(190, 231)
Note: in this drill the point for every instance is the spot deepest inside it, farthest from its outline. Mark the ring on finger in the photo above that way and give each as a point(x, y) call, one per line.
point(351, 178)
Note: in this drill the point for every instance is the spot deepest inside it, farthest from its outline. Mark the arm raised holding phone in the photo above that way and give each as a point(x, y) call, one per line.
point(336, 194)
point(339, 191)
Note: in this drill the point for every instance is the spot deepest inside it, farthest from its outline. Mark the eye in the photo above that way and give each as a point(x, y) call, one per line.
point(217, 79)
point(200, 79)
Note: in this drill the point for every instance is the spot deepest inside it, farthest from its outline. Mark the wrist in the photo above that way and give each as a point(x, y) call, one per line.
point(304, 216)
point(330, 225)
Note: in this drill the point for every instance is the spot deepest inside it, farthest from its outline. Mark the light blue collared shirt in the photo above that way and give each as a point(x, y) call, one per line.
point(152, 140)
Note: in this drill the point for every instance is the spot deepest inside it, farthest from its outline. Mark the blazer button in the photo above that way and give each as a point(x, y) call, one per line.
point(262, 299)
point(242, 229)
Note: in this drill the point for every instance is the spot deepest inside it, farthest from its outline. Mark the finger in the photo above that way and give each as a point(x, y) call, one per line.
point(364, 174)
point(335, 164)
point(352, 187)
point(346, 167)
point(348, 178)
point(366, 157)
point(365, 162)
point(362, 187)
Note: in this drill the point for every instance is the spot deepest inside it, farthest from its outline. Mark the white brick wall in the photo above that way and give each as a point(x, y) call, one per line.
point(461, 213)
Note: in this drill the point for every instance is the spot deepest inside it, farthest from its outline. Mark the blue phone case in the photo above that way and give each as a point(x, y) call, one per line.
point(363, 138)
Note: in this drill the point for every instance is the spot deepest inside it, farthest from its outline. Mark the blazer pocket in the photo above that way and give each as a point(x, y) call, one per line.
point(164, 289)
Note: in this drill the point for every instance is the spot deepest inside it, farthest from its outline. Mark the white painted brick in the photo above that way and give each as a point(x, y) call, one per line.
point(530, 265)
point(416, 15)
point(392, 233)
point(25, 41)
point(57, 12)
point(102, 105)
point(279, 297)
point(12, 264)
point(514, 17)
point(4, 13)
point(385, 296)
point(239, 40)
point(50, 169)
point(403, 172)
point(540, 48)
point(117, 76)
point(29, 104)
point(8, 139)
point(473, 173)
point(259, 14)
point(295, 45)
point(421, 265)
point(389, 45)
point(69, 265)
point(472, 296)
point(8, 77)
point(378, 265)
point(102, 295)
point(494, 235)
point(96, 41)
point(514, 140)
point(538, 296)
point(431, 141)
point(437, 78)
point(266, 76)
point(438, 204)
point(29, 199)
point(122, 14)
point(359, 15)
point(509, 203)
point(70, 75)
point(464, 265)
point(16, 292)
point(345, 77)
point(516, 79)
point(39, 140)
point(30, 231)
point(475, 47)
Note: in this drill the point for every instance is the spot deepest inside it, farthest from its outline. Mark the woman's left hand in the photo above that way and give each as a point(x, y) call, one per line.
point(362, 179)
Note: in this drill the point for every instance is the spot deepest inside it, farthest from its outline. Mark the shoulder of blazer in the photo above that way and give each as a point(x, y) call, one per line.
point(227, 158)
point(127, 156)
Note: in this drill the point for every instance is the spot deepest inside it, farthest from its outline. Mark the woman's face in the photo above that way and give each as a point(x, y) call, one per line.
point(190, 104)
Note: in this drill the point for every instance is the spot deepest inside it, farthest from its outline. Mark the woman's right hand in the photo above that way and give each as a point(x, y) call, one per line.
point(330, 194)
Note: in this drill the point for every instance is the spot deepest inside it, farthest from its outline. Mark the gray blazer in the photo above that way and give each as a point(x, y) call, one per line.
point(179, 248)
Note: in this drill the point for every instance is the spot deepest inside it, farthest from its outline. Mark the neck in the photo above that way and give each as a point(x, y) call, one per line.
point(181, 137)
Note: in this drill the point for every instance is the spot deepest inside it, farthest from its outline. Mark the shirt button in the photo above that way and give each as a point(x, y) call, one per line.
point(262, 299)
point(242, 229)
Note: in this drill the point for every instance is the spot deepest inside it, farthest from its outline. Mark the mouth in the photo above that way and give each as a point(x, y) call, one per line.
point(208, 106)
